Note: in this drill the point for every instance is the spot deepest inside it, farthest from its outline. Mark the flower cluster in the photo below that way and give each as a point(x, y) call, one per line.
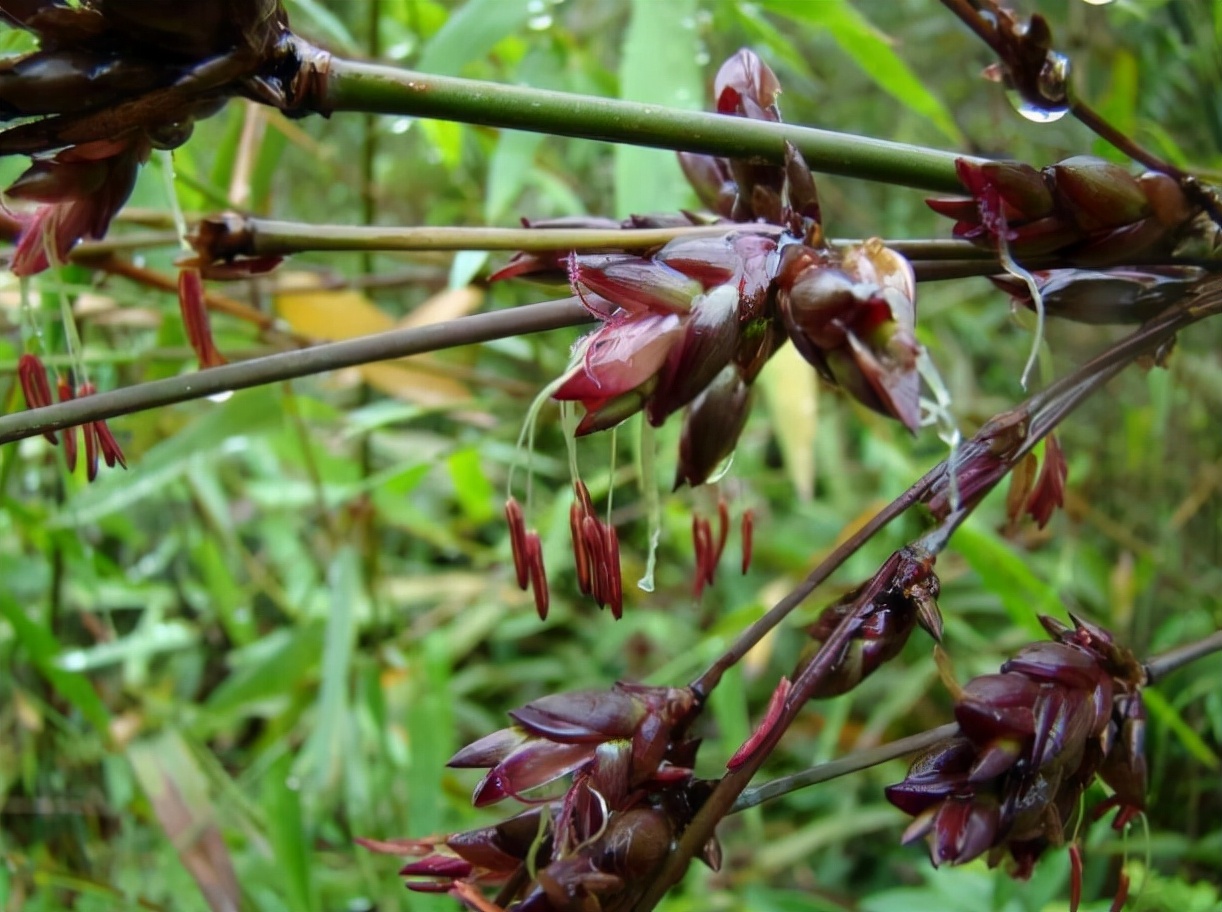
point(1031, 740)
point(631, 795)
point(110, 82)
point(1083, 207)
point(689, 325)
point(692, 322)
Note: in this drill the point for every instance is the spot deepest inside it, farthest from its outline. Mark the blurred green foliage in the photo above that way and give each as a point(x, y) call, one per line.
point(269, 634)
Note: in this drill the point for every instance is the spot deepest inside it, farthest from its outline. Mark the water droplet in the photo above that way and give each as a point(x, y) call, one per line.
point(292, 783)
point(535, 7)
point(1053, 88)
point(702, 57)
point(1099, 2)
point(400, 125)
point(1034, 113)
point(221, 397)
point(539, 23)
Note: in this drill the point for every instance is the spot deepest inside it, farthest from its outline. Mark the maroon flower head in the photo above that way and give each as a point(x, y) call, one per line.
point(1083, 207)
point(80, 189)
point(1031, 740)
point(562, 734)
point(681, 317)
point(851, 314)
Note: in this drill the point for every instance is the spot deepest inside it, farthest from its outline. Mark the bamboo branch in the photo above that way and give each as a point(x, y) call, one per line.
point(290, 365)
point(370, 88)
point(1043, 411)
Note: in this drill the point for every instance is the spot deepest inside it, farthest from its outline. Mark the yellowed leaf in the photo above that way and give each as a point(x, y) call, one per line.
point(445, 305)
point(411, 384)
point(331, 314)
point(791, 395)
point(346, 314)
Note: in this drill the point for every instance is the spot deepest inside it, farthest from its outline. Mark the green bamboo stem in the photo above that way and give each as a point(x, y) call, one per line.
point(290, 365)
point(370, 88)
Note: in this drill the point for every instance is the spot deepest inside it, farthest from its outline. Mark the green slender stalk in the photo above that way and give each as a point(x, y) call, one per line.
point(356, 86)
point(292, 364)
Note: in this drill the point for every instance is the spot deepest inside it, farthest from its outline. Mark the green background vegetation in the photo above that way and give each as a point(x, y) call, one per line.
point(283, 619)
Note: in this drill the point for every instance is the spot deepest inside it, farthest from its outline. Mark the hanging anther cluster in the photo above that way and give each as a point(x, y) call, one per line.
point(1031, 740)
point(689, 326)
point(99, 442)
point(594, 846)
point(114, 79)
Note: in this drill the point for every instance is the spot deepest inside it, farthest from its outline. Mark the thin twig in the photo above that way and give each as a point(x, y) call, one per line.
point(289, 365)
point(1160, 666)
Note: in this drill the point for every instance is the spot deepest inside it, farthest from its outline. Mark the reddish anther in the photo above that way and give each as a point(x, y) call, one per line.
point(34, 385)
point(723, 529)
point(195, 320)
point(772, 715)
point(581, 558)
point(1049, 490)
point(748, 538)
point(517, 541)
point(1075, 876)
point(595, 553)
point(64, 389)
point(538, 574)
point(706, 561)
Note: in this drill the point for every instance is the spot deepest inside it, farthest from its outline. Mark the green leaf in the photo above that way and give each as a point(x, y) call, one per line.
point(321, 760)
point(1162, 711)
point(266, 670)
point(471, 32)
point(871, 50)
point(44, 650)
point(659, 66)
point(471, 485)
point(248, 412)
point(287, 832)
point(1005, 574)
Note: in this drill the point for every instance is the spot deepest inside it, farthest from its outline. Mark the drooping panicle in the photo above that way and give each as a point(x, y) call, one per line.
point(1031, 739)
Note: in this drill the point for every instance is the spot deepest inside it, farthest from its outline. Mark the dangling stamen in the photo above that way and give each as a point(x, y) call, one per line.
point(538, 574)
point(723, 529)
point(1075, 876)
point(34, 385)
point(518, 541)
point(748, 536)
point(64, 388)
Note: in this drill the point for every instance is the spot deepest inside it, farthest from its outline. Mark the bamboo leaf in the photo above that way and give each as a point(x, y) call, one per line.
point(659, 66)
point(871, 50)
